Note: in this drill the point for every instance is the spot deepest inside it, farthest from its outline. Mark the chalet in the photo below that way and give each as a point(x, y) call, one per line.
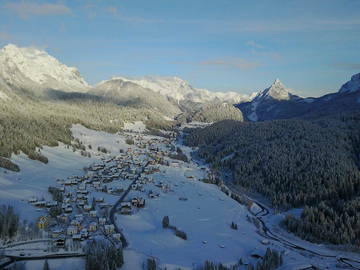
point(84, 233)
point(71, 230)
point(60, 242)
point(81, 202)
point(40, 203)
point(93, 213)
point(93, 227)
point(87, 207)
point(117, 236)
point(43, 223)
point(76, 222)
point(56, 233)
point(109, 229)
point(125, 210)
point(125, 204)
point(102, 221)
point(76, 237)
point(141, 202)
point(63, 218)
point(79, 217)
point(51, 204)
point(68, 209)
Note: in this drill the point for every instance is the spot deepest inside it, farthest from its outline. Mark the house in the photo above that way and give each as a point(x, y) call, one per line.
point(102, 221)
point(43, 223)
point(75, 222)
point(71, 230)
point(40, 203)
point(60, 242)
point(93, 213)
point(51, 204)
point(63, 218)
point(68, 209)
point(56, 233)
point(92, 226)
point(141, 202)
point(109, 229)
point(87, 207)
point(125, 204)
point(125, 210)
point(100, 199)
point(84, 233)
point(76, 237)
point(117, 236)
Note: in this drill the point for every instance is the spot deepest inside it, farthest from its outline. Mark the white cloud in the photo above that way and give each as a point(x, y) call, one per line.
point(25, 10)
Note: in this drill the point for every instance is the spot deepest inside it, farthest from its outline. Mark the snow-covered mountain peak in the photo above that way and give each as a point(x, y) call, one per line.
point(180, 90)
point(30, 65)
point(276, 91)
point(352, 85)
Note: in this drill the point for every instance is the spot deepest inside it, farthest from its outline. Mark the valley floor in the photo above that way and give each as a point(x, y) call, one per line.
point(201, 210)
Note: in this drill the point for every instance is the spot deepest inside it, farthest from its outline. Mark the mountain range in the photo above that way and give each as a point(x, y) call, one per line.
point(278, 102)
point(34, 72)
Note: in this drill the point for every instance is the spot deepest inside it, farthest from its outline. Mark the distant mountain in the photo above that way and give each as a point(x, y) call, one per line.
point(182, 92)
point(351, 86)
point(277, 102)
point(34, 69)
point(127, 93)
point(274, 102)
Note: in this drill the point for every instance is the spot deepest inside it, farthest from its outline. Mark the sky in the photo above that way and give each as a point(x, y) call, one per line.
point(312, 46)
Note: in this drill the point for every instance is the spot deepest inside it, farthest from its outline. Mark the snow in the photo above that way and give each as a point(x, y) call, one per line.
point(39, 67)
point(4, 96)
point(179, 90)
point(206, 215)
point(276, 91)
point(352, 85)
point(137, 126)
point(111, 142)
point(253, 116)
point(201, 216)
point(56, 264)
point(35, 177)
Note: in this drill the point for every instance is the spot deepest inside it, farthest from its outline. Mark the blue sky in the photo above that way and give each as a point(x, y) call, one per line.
point(312, 46)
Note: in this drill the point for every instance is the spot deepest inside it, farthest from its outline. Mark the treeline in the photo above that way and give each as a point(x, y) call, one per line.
point(271, 260)
point(103, 255)
point(26, 124)
point(212, 113)
point(9, 222)
point(295, 163)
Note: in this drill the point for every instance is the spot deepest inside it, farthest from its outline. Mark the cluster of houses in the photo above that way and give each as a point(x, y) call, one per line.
point(80, 215)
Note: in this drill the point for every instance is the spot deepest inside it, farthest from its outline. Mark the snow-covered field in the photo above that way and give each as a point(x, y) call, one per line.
point(201, 210)
point(205, 216)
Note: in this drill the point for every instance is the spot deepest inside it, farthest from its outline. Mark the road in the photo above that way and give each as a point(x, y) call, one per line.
point(13, 258)
point(113, 211)
point(272, 236)
point(115, 206)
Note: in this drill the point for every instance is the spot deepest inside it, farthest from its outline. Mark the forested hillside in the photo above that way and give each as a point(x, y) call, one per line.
point(295, 163)
point(26, 124)
point(212, 112)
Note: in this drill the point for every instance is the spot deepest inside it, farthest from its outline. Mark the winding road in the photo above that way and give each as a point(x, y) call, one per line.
point(272, 236)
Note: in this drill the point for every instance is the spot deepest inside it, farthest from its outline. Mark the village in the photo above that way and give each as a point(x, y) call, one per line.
point(81, 205)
